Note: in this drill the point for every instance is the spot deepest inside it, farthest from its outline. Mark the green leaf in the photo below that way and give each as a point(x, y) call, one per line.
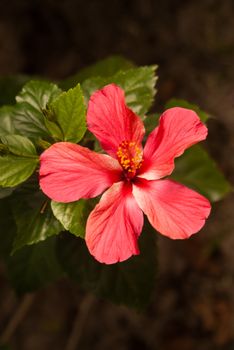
point(43, 144)
point(38, 94)
point(28, 121)
point(196, 169)
point(19, 145)
point(175, 102)
point(8, 227)
point(70, 113)
point(6, 121)
point(15, 170)
point(54, 130)
point(130, 282)
point(150, 123)
point(28, 112)
point(34, 266)
point(138, 84)
point(34, 219)
point(104, 68)
point(73, 216)
point(18, 166)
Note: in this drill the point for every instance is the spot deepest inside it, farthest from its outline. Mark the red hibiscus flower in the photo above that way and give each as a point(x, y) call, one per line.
point(133, 175)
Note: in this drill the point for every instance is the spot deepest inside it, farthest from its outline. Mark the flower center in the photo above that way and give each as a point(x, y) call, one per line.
point(130, 157)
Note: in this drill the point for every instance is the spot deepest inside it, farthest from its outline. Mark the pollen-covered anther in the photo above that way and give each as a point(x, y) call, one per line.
point(130, 156)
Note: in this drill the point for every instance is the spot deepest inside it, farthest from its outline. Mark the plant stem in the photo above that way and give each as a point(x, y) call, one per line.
point(79, 323)
point(17, 318)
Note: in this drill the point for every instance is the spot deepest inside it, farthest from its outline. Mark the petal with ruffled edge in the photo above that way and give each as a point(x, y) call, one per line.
point(111, 121)
point(114, 225)
point(179, 128)
point(69, 172)
point(172, 209)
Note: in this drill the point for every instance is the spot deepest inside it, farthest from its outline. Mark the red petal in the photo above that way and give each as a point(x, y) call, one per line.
point(114, 225)
point(69, 172)
point(172, 209)
point(111, 121)
point(179, 128)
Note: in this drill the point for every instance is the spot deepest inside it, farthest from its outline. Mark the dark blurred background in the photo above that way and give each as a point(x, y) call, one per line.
point(193, 43)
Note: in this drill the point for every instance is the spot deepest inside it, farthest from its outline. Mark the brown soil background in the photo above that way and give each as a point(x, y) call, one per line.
point(193, 43)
